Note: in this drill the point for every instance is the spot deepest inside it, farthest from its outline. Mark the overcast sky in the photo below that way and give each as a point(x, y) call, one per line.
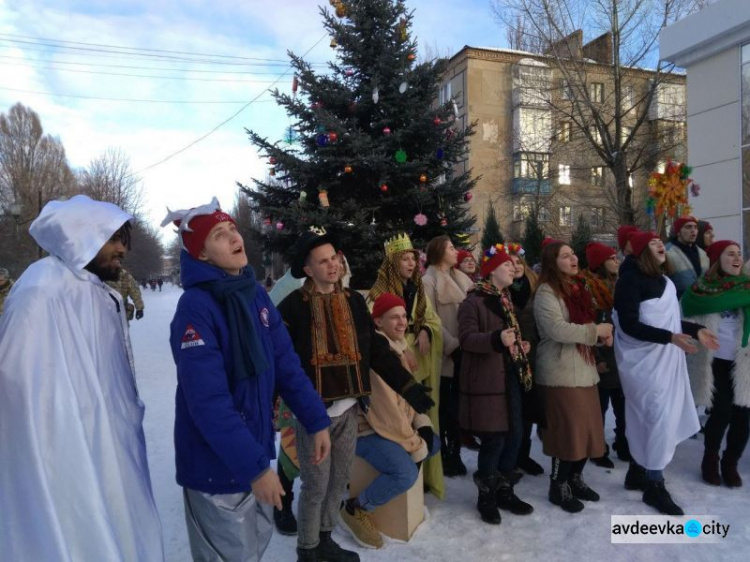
point(55, 56)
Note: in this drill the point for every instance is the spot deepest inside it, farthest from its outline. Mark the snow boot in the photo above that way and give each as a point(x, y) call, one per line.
point(507, 500)
point(635, 479)
point(308, 555)
point(604, 461)
point(710, 468)
point(580, 489)
point(487, 502)
point(621, 447)
point(452, 463)
point(560, 494)
point(286, 523)
point(656, 495)
point(330, 551)
point(729, 472)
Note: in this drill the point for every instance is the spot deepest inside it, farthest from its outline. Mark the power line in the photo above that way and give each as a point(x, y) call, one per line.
point(217, 102)
point(220, 125)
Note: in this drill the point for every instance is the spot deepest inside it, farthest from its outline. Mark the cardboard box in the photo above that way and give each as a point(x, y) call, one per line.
point(401, 516)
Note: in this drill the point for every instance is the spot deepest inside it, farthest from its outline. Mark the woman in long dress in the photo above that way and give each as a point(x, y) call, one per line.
point(650, 350)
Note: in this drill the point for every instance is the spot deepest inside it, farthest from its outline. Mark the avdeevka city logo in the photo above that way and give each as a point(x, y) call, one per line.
point(693, 528)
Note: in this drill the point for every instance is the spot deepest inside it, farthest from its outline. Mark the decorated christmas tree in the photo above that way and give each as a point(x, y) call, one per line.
point(374, 152)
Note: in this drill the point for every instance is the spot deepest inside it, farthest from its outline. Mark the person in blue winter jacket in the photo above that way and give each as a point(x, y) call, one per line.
point(233, 355)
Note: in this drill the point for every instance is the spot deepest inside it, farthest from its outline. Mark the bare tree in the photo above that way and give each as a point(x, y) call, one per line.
point(601, 90)
point(145, 260)
point(110, 178)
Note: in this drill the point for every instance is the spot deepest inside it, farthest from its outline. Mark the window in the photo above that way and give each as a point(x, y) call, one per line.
point(596, 92)
point(597, 217)
point(627, 98)
point(566, 214)
point(594, 130)
point(566, 130)
point(521, 211)
point(566, 90)
point(533, 165)
point(597, 176)
point(563, 174)
point(543, 214)
point(445, 93)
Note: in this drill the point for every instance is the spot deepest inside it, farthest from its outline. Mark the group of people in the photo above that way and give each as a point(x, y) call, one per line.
point(476, 349)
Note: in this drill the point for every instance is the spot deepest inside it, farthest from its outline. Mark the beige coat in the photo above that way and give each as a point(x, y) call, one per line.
point(558, 362)
point(446, 291)
point(391, 417)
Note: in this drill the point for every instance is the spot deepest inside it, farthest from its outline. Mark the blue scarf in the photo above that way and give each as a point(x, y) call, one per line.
point(236, 295)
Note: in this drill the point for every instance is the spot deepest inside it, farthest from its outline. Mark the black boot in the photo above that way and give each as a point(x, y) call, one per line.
point(604, 461)
point(729, 471)
point(487, 502)
point(508, 500)
point(284, 519)
point(560, 494)
point(308, 555)
point(330, 551)
point(452, 463)
point(621, 447)
point(635, 479)
point(580, 489)
point(656, 495)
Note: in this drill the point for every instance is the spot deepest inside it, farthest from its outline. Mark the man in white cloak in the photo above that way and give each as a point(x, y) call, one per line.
point(74, 479)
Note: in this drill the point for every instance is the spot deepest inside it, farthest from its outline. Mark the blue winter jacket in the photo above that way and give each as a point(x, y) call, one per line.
point(224, 437)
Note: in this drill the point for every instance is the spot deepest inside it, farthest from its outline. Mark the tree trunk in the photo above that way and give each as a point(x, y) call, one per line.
point(625, 211)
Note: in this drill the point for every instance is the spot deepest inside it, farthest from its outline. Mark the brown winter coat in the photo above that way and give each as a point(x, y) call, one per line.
point(483, 404)
point(446, 291)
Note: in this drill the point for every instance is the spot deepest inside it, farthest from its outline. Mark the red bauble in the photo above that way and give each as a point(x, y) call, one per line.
point(386, 131)
point(333, 137)
point(443, 222)
point(279, 225)
point(437, 121)
point(468, 195)
point(384, 188)
point(272, 160)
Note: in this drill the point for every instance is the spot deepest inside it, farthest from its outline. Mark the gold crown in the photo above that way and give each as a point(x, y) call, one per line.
point(399, 243)
point(319, 230)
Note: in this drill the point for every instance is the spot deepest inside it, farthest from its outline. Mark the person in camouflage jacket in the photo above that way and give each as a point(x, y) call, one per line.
point(128, 288)
point(5, 286)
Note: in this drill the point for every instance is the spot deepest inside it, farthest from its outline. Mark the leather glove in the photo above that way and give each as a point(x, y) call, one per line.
point(139, 314)
point(426, 433)
point(418, 397)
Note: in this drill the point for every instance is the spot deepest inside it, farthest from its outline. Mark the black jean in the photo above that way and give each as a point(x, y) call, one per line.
point(724, 413)
point(499, 451)
point(617, 398)
point(448, 410)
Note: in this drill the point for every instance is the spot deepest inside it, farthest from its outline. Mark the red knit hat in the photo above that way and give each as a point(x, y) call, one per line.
point(195, 224)
point(492, 258)
point(682, 221)
point(462, 255)
point(597, 253)
point(639, 240)
point(384, 303)
point(549, 240)
point(624, 233)
point(715, 250)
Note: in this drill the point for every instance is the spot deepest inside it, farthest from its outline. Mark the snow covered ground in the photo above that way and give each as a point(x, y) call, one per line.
point(454, 530)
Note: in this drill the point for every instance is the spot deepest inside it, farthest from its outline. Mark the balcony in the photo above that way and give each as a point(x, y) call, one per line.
point(521, 186)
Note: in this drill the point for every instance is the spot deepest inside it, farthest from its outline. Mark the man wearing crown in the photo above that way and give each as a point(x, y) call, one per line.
point(338, 343)
point(399, 275)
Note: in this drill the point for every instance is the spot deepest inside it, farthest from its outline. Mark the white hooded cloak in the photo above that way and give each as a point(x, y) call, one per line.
point(74, 479)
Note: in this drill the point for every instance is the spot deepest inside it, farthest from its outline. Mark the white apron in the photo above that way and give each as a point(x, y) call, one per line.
point(659, 407)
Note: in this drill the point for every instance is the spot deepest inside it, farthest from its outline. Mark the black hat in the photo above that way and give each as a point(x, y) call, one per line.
point(303, 246)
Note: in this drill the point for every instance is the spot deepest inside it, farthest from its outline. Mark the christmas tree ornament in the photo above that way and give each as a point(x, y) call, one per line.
point(420, 219)
point(348, 169)
point(439, 154)
point(423, 178)
point(334, 43)
point(402, 29)
point(272, 160)
point(272, 171)
point(375, 95)
point(411, 56)
point(400, 156)
point(386, 131)
point(402, 87)
point(443, 222)
point(323, 198)
point(341, 10)
point(333, 137)
point(349, 72)
point(468, 195)
point(302, 196)
point(267, 221)
point(321, 139)
point(279, 225)
point(384, 188)
point(295, 85)
point(437, 121)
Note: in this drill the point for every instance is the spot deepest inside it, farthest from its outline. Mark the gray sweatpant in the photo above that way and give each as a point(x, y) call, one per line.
point(227, 527)
point(323, 486)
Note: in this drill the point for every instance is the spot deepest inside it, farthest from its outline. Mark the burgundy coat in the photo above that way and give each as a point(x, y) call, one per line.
point(483, 404)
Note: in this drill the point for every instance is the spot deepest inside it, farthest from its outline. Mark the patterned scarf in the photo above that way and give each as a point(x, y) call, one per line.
point(601, 291)
point(508, 314)
point(580, 303)
point(717, 294)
